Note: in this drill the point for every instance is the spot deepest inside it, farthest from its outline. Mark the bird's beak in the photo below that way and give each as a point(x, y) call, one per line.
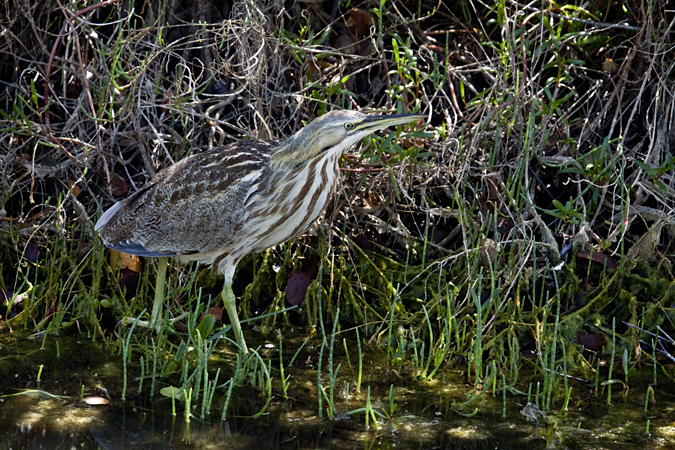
point(372, 123)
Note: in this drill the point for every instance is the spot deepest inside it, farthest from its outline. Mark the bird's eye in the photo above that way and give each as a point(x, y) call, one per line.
point(349, 126)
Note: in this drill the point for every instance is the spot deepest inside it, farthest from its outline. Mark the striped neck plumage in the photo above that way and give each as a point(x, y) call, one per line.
point(330, 135)
point(304, 147)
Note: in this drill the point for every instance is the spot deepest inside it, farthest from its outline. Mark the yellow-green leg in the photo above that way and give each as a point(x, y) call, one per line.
point(231, 308)
point(156, 314)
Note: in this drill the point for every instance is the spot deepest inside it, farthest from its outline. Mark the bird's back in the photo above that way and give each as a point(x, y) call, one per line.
point(197, 205)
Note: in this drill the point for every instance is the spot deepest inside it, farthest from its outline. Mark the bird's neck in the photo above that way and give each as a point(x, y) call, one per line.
point(288, 171)
point(301, 148)
point(284, 157)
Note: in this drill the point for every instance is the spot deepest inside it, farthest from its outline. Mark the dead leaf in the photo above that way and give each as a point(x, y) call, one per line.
point(74, 188)
point(599, 257)
point(359, 22)
point(118, 187)
point(215, 311)
point(119, 260)
point(95, 401)
point(592, 341)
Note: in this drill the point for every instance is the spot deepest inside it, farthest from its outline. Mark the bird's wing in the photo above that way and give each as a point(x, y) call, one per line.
point(134, 248)
point(105, 217)
point(197, 205)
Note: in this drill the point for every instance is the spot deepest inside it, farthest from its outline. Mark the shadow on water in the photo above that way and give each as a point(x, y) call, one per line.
point(42, 407)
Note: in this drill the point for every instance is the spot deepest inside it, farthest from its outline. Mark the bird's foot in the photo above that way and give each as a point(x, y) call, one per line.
point(156, 327)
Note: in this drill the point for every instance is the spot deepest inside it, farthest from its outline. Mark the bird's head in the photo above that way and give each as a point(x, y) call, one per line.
point(333, 133)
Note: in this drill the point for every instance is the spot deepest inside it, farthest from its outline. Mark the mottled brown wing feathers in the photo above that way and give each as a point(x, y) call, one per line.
point(195, 205)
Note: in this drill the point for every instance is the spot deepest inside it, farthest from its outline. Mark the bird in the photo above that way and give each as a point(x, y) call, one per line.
point(222, 204)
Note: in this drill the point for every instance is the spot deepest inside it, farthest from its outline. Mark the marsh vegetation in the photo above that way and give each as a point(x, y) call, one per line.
point(509, 262)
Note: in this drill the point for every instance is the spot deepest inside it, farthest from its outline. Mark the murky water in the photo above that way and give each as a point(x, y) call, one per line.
point(51, 414)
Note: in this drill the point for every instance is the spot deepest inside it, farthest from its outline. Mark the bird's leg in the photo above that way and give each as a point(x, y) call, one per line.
point(231, 307)
point(156, 314)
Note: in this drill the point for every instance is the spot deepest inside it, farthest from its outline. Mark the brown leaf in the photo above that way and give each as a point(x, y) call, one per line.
point(215, 311)
point(313, 71)
point(296, 289)
point(487, 252)
point(599, 257)
point(359, 22)
point(126, 143)
point(610, 66)
point(362, 241)
point(32, 252)
point(118, 187)
point(594, 341)
point(74, 187)
point(129, 281)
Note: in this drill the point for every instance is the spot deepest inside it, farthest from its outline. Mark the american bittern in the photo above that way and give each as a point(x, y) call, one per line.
point(225, 203)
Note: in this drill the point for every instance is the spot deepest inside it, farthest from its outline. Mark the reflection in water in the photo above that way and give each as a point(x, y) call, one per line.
point(427, 415)
point(119, 432)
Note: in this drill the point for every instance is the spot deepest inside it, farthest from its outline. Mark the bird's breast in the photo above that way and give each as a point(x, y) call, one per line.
point(292, 204)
